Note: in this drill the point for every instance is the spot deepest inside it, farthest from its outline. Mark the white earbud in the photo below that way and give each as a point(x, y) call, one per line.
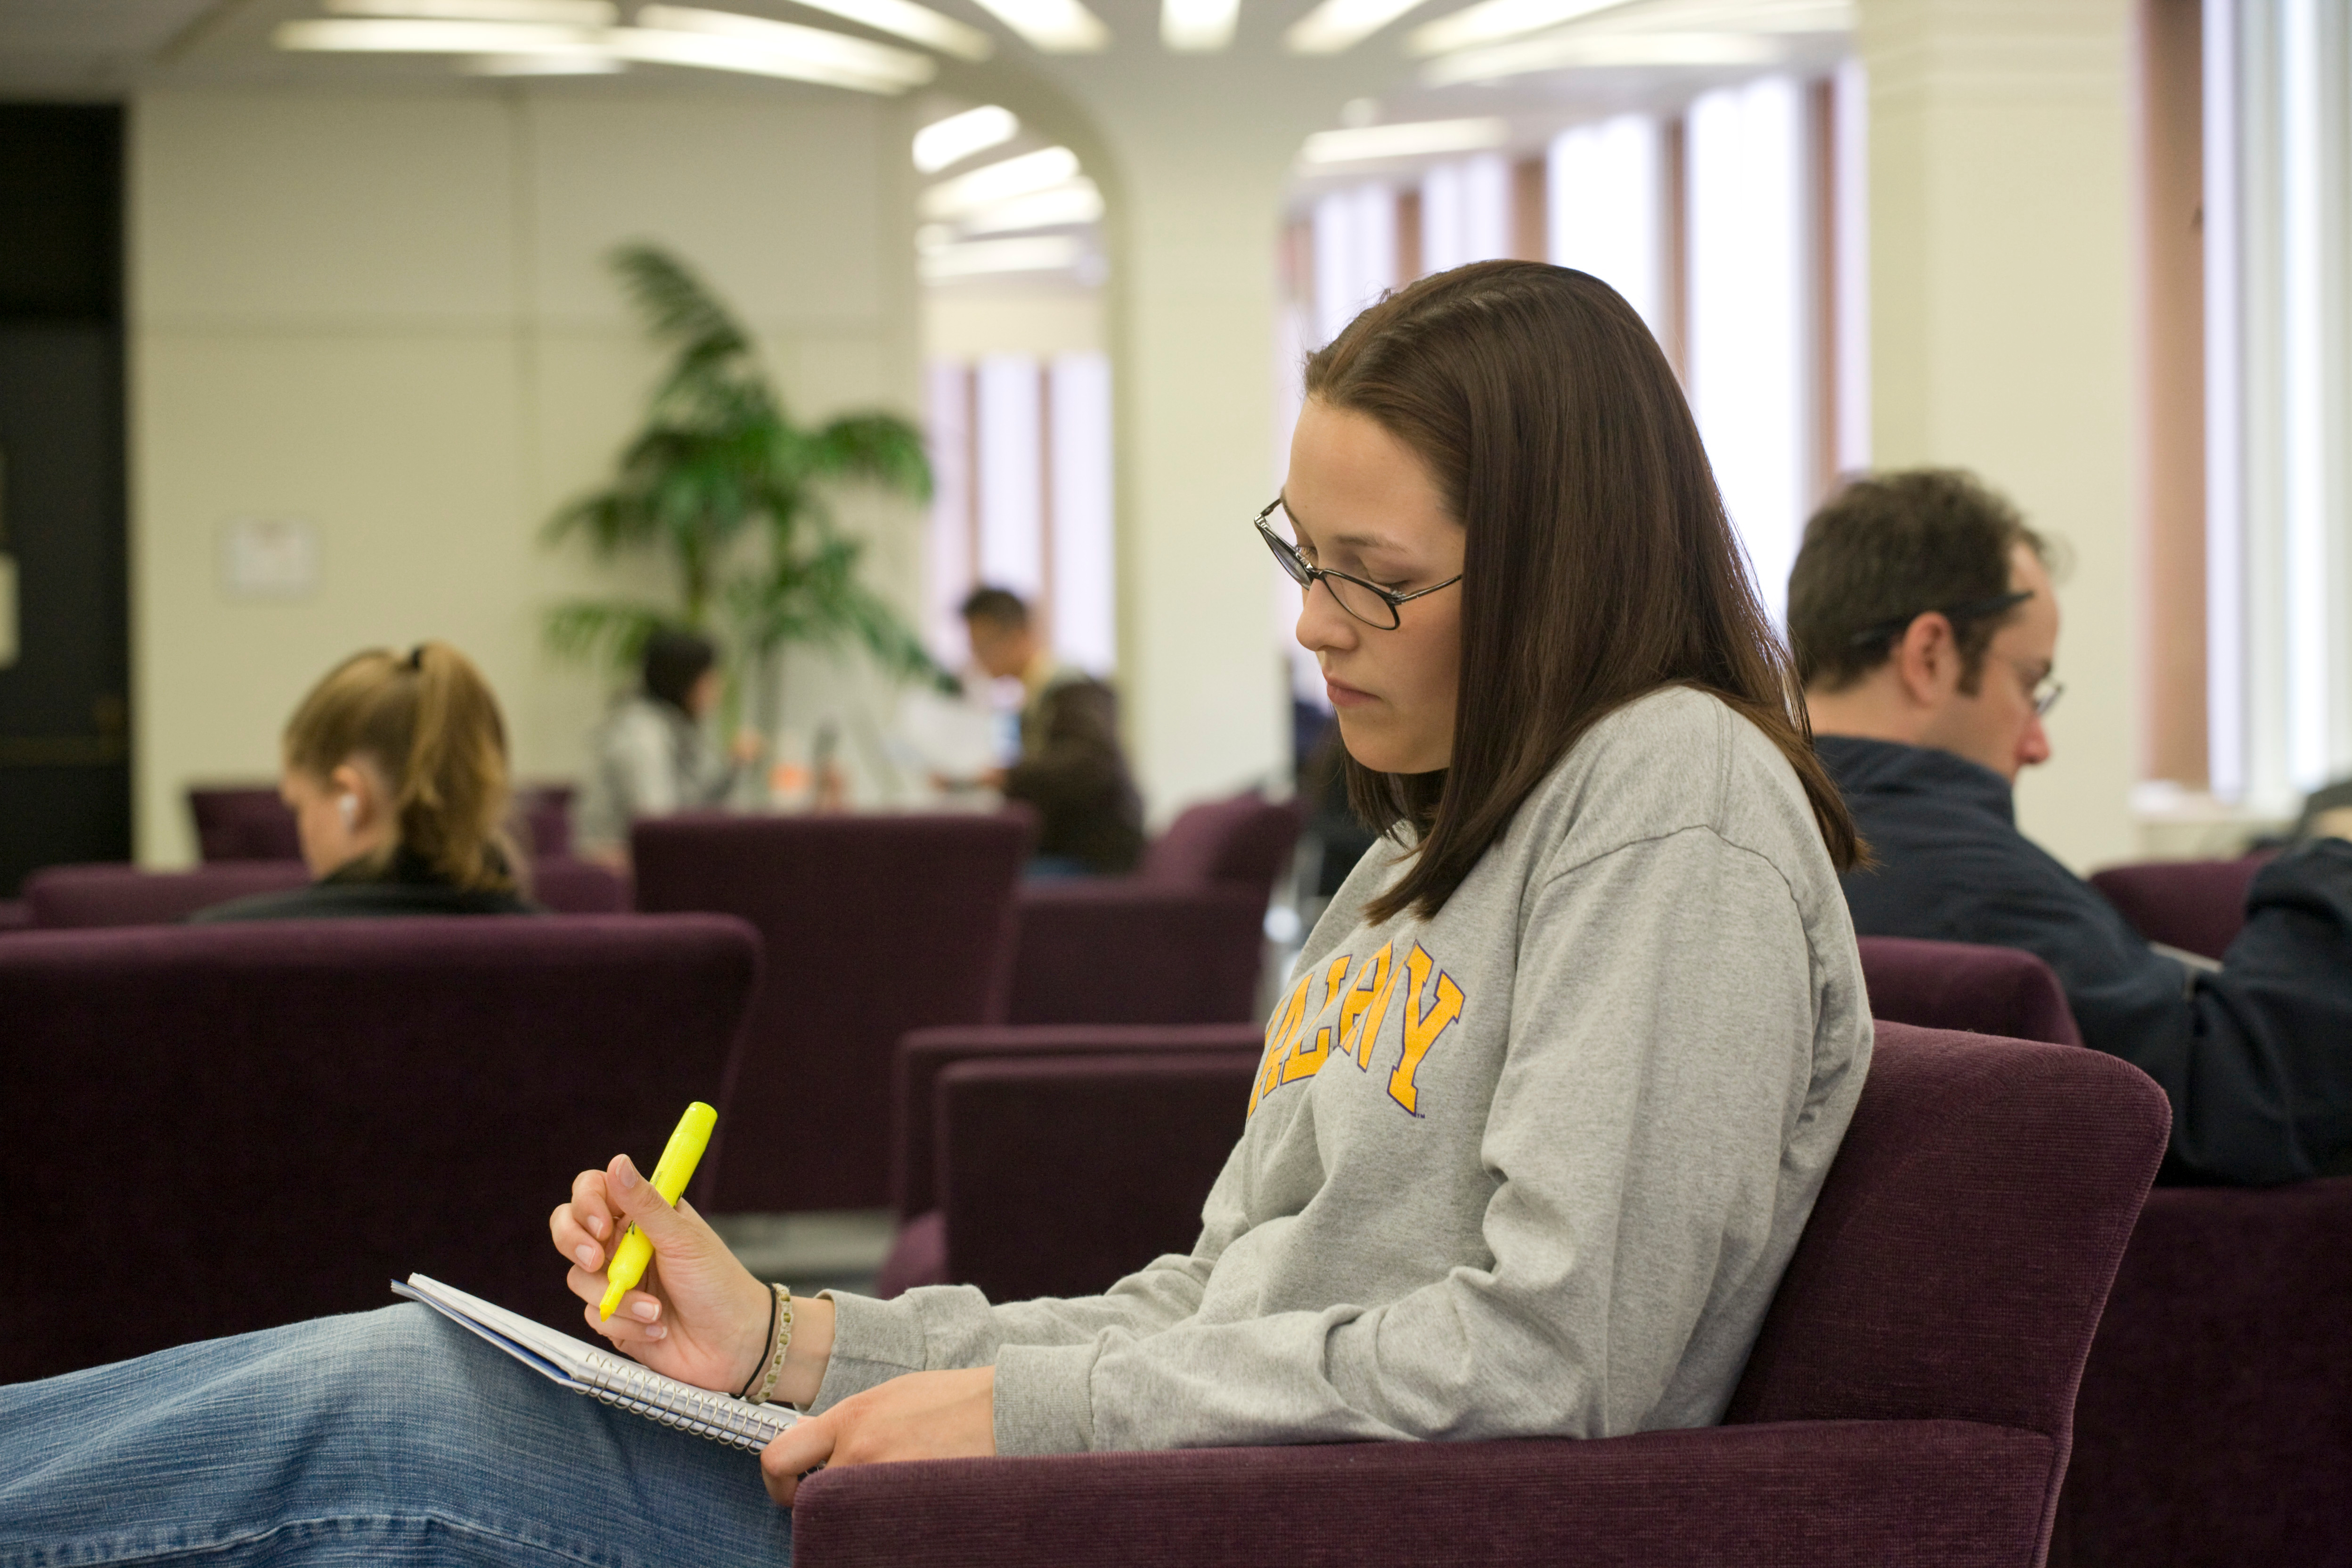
point(348, 806)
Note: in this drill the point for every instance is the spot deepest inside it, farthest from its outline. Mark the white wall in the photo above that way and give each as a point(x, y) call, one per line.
point(389, 315)
point(2000, 338)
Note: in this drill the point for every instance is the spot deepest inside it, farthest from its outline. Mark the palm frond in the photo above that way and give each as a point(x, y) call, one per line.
point(677, 308)
point(880, 448)
point(609, 631)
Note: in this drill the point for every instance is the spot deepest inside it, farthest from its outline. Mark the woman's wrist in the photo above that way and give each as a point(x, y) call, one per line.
point(811, 1351)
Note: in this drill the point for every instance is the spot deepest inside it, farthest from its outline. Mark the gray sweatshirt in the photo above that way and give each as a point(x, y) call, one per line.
point(1533, 1167)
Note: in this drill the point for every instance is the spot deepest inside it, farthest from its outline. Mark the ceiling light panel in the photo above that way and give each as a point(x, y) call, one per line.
point(559, 12)
point(1053, 27)
point(723, 40)
point(1337, 25)
point(1045, 253)
point(943, 144)
point(1064, 205)
point(581, 62)
point(1491, 21)
point(999, 181)
point(916, 24)
point(1198, 27)
point(1571, 51)
point(419, 38)
point(1413, 139)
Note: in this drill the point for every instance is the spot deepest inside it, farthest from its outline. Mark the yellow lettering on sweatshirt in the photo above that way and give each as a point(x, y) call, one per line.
point(1421, 1027)
point(1279, 1038)
point(1307, 1064)
point(1366, 1006)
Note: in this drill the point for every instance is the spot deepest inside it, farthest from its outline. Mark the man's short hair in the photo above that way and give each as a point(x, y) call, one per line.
point(1889, 548)
point(998, 606)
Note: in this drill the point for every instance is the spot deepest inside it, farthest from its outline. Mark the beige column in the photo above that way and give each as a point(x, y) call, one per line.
point(2000, 289)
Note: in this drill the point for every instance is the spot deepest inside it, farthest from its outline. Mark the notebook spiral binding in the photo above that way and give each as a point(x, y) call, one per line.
point(720, 1417)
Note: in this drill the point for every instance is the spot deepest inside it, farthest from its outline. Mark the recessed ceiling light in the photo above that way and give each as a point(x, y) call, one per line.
point(1055, 27)
point(1413, 139)
point(916, 24)
point(998, 181)
point(1492, 20)
point(1198, 27)
point(1043, 253)
point(1337, 25)
point(581, 62)
point(722, 40)
point(943, 144)
point(1075, 203)
point(1569, 51)
point(562, 13)
point(424, 37)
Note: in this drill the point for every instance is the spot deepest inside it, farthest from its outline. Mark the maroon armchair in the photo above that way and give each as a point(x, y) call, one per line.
point(1910, 1397)
point(250, 822)
point(216, 1129)
point(113, 895)
point(1181, 941)
point(1245, 840)
point(2198, 906)
point(1962, 986)
point(1144, 1136)
point(2214, 1427)
point(875, 925)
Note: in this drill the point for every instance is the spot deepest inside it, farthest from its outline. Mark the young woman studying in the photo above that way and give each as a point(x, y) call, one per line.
point(395, 769)
point(1540, 1116)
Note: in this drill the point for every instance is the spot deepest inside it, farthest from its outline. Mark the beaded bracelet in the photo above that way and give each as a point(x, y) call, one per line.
point(745, 1392)
point(780, 1330)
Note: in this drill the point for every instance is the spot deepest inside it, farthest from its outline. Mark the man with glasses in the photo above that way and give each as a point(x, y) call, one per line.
point(1926, 628)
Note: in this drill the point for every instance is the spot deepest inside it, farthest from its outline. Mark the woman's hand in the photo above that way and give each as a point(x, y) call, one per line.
point(922, 1415)
point(697, 1315)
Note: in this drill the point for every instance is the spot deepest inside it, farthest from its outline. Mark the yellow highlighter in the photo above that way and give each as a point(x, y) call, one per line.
point(670, 1176)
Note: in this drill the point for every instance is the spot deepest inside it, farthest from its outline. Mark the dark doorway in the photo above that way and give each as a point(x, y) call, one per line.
point(65, 761)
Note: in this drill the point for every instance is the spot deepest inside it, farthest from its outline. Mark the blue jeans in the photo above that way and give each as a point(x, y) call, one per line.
point(387, 1437)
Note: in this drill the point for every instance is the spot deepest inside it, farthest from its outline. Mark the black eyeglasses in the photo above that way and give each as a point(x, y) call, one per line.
point(1368, 602)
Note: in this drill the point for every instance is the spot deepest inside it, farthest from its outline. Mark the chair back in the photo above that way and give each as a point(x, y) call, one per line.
point(241, 822)
point(567, 886)
point(63, 896)
point(1127, 950)
point(1245, 840)
point(2199, 906)
point(2001, 991)
point(250, 822)
point(1961, 1250)
point(216, 1128)
point(875, 925)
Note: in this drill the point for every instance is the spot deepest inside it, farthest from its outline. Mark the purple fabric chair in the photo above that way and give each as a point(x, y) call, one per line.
point(249, 822)
point(2199, 906)
point(567, 887)
point(216, 1128)
point(1910, 1398)
point(2214, 1427)
point(919, 1252)
point(874, 926)
point(112, 895)
point(1961, 985)
point(1126, 950)
point(15, 915)
point(1245, 840)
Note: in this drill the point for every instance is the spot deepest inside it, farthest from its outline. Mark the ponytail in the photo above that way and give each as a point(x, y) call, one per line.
point(429, 723)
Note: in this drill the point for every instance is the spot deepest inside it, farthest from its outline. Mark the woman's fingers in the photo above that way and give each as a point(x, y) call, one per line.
point(626, 1327)
point(579, 1228)
point(801, 1447)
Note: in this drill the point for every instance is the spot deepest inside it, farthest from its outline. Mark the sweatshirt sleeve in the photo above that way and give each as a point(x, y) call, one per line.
point(1658, 1063)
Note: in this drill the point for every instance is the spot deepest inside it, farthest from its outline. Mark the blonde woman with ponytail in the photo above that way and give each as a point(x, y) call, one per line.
point(395, 769)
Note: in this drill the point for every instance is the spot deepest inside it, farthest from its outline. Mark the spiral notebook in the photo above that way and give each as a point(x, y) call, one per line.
point(615, 1379)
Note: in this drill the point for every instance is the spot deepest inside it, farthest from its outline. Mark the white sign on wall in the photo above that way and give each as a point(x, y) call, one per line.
point(269, 558)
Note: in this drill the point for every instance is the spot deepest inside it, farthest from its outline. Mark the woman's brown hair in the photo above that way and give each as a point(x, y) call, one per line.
point(1600, 564)
point(427, 720)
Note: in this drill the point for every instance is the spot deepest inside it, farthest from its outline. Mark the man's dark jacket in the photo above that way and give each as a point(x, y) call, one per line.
point(1074, 774)
point(2256, 1060)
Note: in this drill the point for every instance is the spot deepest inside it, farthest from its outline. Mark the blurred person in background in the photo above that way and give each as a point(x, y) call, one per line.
point(1925, 631)
point(395, 769)
point(1071, 771)
point(650, 756)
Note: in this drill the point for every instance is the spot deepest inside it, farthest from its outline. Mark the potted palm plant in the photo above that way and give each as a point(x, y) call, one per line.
point(722, 482)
